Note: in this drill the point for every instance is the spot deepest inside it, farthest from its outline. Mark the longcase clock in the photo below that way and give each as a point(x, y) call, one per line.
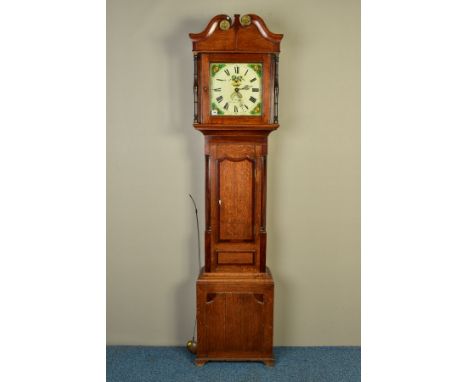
point(236, 108)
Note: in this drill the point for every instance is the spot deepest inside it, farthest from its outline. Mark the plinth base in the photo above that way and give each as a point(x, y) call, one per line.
point(267, 361)
point(235, 317)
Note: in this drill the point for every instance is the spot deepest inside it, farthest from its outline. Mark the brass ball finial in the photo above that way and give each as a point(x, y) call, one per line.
point(224, 25)
point(245, 20)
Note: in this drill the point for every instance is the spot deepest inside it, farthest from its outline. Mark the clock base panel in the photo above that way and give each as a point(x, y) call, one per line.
point(235, 317)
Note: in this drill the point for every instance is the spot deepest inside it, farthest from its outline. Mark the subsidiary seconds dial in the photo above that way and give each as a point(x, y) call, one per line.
point(236, 89)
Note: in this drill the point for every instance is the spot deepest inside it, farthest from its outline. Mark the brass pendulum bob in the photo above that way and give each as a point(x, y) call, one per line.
point(192, 346)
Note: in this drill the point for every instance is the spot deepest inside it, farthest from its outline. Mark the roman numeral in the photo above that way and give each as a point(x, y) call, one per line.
point(235, 109)
point(227, 72)
point(246, 72)
point(219, 89)
point(244, 106)
point(219, 79)
point(226, 106)
point(219, 99)
point(252, 99)
point(254, 89)
point(253, 79)
point(236, 69)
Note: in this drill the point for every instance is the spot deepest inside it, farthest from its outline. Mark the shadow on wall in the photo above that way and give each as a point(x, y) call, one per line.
point(180, 118)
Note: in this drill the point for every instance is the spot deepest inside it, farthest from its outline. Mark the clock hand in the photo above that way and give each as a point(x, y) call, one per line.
point(246, 87)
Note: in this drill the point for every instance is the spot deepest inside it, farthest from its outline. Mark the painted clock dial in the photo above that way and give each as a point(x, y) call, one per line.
point(236, 89)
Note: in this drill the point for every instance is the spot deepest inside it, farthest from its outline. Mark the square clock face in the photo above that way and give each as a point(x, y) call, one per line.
point(236, 89)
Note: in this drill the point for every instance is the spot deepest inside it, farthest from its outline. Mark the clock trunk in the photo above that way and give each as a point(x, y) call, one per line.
point(236, 197)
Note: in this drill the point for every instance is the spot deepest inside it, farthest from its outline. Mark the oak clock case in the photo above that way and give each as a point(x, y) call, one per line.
point(236, 108)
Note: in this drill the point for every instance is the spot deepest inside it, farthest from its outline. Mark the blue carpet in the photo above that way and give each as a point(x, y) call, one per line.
point(168, 364)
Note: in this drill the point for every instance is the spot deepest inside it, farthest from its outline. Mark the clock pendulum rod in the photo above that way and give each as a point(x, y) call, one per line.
point(192, 344)
point(198, 232)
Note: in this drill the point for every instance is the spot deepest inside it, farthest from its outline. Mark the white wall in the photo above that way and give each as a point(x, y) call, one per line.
point(155, 159)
